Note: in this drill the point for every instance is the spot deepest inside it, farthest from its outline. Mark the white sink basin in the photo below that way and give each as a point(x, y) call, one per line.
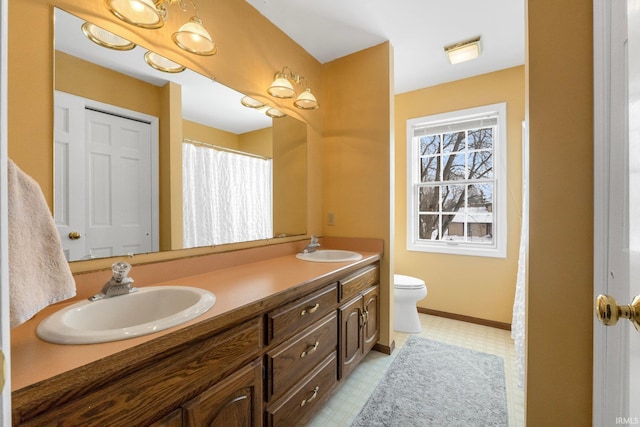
point(330, 255)
point(150, 309)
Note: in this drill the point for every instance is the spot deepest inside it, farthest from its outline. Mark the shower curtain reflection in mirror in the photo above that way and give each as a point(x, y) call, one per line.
point(227, 196)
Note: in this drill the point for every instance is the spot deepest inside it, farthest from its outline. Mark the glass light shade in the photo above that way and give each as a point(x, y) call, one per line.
point(463, 52)
point(247, 101)
point(274, 113)
point(194, 38)
point(281, 87)
point(141, 13)
point(306, 100)
point(105, 38)
point(161, 63)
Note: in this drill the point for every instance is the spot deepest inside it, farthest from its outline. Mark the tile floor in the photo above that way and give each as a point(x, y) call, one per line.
point(351, 396)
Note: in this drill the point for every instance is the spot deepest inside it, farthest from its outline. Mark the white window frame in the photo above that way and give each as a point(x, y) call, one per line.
point(499, 247)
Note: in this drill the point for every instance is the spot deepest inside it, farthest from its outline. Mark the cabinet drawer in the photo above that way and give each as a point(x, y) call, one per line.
point(358, 282)
point(301, 313)
point(296, 408)
point(294, 358)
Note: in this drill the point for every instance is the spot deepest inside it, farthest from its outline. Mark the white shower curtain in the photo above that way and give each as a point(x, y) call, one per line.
point(227, 197)
point(519, 303)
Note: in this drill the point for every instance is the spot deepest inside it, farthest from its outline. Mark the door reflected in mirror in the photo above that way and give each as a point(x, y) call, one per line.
point(119, 186)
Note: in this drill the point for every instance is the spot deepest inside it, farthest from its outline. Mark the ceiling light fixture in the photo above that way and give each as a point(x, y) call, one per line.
point(192, 36)
point(161, 63)
point(283, 87)
point(463, 51)
point(104, 38)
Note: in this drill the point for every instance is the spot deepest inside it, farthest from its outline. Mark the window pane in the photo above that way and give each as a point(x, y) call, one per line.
point(453, 142)
point(429, 144)
point(480, 138)
point(453, 169)
point(428, 227)
point(452, 197)
point(481, 195)
point(481, 165)
point(453, 228)
point(429, 171)
point(429, 198)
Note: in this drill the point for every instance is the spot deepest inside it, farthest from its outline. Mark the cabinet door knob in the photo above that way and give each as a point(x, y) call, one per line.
point(313, 396)
point(310, 349)
point(310, 310)
point(74, 235)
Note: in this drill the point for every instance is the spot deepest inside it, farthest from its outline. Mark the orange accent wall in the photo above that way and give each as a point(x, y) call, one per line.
point(560, 290)
point(357, 111)
point(485, 287)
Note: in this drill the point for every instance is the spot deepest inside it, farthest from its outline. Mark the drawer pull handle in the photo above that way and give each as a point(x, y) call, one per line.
point(310, 310)
point(313, 396)
point(310, 349)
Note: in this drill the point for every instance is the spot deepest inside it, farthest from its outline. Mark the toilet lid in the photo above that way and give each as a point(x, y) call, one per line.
point(400, 281)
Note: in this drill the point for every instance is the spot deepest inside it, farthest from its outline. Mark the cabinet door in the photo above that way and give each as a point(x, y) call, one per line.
point(371, 333)
point(174, 419)
point(351, 320)
point(235, 401)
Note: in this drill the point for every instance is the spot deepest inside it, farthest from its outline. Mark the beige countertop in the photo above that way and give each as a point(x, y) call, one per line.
point(34, 360)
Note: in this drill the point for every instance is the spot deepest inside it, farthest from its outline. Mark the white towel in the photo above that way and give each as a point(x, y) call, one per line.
point(39, 274)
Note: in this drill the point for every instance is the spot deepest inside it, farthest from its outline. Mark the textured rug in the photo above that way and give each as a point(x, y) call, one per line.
point(436, 384)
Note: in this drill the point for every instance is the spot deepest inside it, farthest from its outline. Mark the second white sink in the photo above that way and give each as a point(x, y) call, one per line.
point(330, 255)
point(150, 309)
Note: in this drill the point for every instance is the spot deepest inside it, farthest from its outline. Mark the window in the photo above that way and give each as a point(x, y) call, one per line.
point(456, 201)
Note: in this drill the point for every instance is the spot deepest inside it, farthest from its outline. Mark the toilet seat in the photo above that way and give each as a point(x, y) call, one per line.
point(400, 281)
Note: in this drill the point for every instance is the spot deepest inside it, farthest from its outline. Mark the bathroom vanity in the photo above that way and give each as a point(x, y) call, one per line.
point(281, 337)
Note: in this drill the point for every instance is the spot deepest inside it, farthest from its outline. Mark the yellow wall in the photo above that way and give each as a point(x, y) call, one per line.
point(289, 176)
point(356, 153)
point(209, 135)
point(485, 287)
point(560, 290)
point(260, 142)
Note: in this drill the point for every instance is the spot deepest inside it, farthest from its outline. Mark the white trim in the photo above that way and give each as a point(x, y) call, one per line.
point(499, 247)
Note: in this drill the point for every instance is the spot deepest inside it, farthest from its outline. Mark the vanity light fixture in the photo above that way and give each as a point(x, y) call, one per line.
point(272, 112)
point(192, 36)
point(161, 63)
point(248, 101)
point(463, 51)
point(283, 87)
point(275, 113)
point(105, 38)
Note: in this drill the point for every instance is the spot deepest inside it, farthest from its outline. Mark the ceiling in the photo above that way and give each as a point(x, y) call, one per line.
point(418, 30)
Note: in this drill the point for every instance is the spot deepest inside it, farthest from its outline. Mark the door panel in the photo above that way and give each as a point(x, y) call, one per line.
point(617, 207)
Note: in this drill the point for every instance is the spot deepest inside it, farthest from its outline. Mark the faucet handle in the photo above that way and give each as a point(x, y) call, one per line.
point(314, 240)
point(120, 270)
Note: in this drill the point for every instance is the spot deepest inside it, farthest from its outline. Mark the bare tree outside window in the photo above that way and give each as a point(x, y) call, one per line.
point(456, 187)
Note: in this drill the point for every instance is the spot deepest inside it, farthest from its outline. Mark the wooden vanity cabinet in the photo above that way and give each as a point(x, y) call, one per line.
point(276, 368)
point(359, 318)
point(154, 390)
point(234, 402)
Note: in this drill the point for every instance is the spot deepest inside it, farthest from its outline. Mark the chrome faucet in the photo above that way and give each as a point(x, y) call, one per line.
point(312, 246)
point(119, 284)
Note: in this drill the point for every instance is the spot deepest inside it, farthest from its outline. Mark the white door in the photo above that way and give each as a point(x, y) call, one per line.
point(617, 207)
point(119, 196)
point(106, 179)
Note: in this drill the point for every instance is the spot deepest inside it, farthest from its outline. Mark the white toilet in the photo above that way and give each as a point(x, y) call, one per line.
point(407, 291)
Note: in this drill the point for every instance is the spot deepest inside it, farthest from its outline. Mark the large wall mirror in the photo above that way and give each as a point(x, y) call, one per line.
point(142, 155)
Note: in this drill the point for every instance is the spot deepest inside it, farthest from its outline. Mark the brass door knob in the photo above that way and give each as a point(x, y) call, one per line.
point(74, 235)
point(608, 311)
